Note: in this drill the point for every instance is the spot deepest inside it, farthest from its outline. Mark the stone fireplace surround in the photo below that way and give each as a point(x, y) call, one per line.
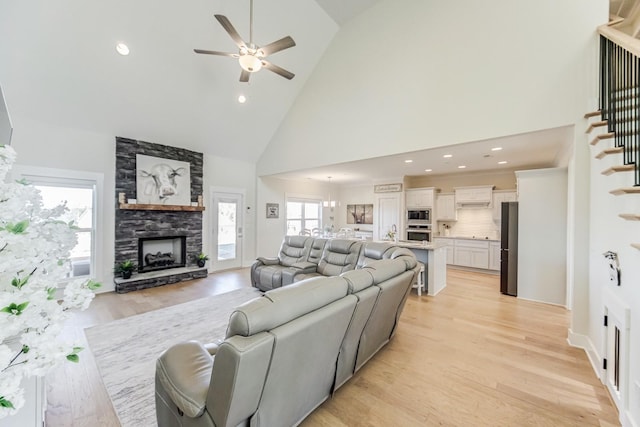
point(132, 225)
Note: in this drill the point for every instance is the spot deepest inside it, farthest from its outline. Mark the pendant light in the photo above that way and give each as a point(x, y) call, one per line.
point(329, 203)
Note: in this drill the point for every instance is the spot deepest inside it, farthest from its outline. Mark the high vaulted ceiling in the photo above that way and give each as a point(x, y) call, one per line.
point(59, 66)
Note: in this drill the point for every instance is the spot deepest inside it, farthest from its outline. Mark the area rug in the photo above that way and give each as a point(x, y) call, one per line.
point(126, 350)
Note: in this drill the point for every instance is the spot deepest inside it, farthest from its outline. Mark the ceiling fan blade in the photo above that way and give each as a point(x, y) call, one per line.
point(278, 70)
point(244, 76)
point(278, 45)
point(226, 24)
point(213, 52)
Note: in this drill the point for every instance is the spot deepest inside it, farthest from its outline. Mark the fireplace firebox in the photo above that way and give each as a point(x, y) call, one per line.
point(160, 253)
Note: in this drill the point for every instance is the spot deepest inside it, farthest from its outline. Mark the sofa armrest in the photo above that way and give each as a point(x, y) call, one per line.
point(184, 371)
point(268, 261)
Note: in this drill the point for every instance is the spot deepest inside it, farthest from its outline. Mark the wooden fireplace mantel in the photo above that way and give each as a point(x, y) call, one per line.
point(141, 207)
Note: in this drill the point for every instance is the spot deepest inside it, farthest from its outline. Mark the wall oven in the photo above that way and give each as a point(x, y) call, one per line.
point(419, 233)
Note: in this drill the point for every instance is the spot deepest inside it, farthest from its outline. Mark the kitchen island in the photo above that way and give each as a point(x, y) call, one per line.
point(434, 258)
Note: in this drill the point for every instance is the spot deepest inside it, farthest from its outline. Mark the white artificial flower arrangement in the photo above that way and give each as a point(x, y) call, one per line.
point(34, 245)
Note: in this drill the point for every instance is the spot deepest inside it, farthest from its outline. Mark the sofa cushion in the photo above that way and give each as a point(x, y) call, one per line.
point(294, 249)
point(184, 371)
point(339, 256)
point(281, 305)
point(315, 253)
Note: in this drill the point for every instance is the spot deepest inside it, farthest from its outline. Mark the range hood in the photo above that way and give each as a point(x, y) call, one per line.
point(473, 197)
point(472, 205)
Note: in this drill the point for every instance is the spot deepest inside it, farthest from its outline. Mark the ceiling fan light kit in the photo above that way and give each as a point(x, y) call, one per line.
point(250, 63)
point(251, 57)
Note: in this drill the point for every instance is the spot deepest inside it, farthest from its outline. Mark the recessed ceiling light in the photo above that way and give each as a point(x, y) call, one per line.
point(461, 167)
point(408, 161)
point(122, 49)
point(496, 149)
point(242, 99)
point(448, 156)
point(428, 170)
point(503, 162)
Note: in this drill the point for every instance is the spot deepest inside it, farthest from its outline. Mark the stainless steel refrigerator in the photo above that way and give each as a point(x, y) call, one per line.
point(509, 249)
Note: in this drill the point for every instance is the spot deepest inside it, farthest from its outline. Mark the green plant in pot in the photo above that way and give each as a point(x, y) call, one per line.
point(201, 259)
point(125, 269)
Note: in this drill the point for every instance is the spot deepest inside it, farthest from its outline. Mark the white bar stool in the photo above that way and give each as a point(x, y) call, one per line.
point(419, 283)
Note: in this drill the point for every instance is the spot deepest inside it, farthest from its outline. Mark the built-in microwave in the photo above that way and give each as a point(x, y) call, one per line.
point(423, 215)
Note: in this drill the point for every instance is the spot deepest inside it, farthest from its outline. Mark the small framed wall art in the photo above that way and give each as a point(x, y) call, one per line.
point(273, 210)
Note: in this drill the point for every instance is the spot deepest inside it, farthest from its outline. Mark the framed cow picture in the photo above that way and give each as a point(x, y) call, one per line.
point(162, 181)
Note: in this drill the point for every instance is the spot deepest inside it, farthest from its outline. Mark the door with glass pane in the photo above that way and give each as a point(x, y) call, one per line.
point(226, 229)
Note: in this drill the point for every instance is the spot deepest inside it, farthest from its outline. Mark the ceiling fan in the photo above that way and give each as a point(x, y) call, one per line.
point(250, 56)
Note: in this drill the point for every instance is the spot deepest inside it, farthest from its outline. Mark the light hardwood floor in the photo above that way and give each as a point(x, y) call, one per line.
point(467, 357)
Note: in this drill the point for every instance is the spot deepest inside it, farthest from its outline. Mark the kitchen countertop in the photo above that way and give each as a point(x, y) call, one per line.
point(414, 245)
point(466, 238)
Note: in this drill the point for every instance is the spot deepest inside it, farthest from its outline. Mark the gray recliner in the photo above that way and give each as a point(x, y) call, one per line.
point(266, 273)
point(276, 365)
point(338, 256)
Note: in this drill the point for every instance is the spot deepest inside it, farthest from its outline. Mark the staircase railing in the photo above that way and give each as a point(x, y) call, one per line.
point(620, 93)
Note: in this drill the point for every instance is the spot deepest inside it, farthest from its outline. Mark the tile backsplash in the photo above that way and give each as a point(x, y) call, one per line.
point(472, 222)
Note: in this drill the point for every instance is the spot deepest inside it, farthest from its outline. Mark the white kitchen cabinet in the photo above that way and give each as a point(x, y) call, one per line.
point(494, 255)
point(449, 246)
point(446, 207)
point(499, 197)
point(419, 198)
point(471, 253)
point(478, 195)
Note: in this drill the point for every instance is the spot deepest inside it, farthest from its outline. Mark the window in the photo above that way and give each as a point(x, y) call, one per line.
point(80, 192)
point(302, 214)
point(79, 198)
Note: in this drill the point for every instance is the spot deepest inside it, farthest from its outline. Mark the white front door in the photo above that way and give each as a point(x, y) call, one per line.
point(226, 229)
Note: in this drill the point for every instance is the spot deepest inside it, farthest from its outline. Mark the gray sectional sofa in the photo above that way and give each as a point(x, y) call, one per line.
point(285, 352)
point(303, 257)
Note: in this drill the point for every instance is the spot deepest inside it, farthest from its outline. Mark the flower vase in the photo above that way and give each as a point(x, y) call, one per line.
point(126, 275)
point(201, 263)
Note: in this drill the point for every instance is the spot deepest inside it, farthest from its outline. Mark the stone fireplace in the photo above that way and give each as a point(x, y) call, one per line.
point(170, 238)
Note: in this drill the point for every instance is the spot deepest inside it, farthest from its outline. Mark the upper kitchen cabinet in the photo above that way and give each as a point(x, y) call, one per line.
point(500, 196)
point(446, 207)
point(477, 196)
point(419, 197)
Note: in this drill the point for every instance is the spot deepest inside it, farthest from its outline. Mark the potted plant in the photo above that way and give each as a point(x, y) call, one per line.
point(125, 268)
point(201, 259)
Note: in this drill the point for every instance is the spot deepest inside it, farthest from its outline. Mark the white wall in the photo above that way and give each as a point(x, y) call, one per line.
point(609, 232)
point(490, 64)
point(44, 145)
point(353, 195)
point(270, 231)
point(542, 235)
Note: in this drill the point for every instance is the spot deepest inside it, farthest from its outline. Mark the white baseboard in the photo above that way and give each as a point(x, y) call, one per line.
point(626, 420)
point(585, 343)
